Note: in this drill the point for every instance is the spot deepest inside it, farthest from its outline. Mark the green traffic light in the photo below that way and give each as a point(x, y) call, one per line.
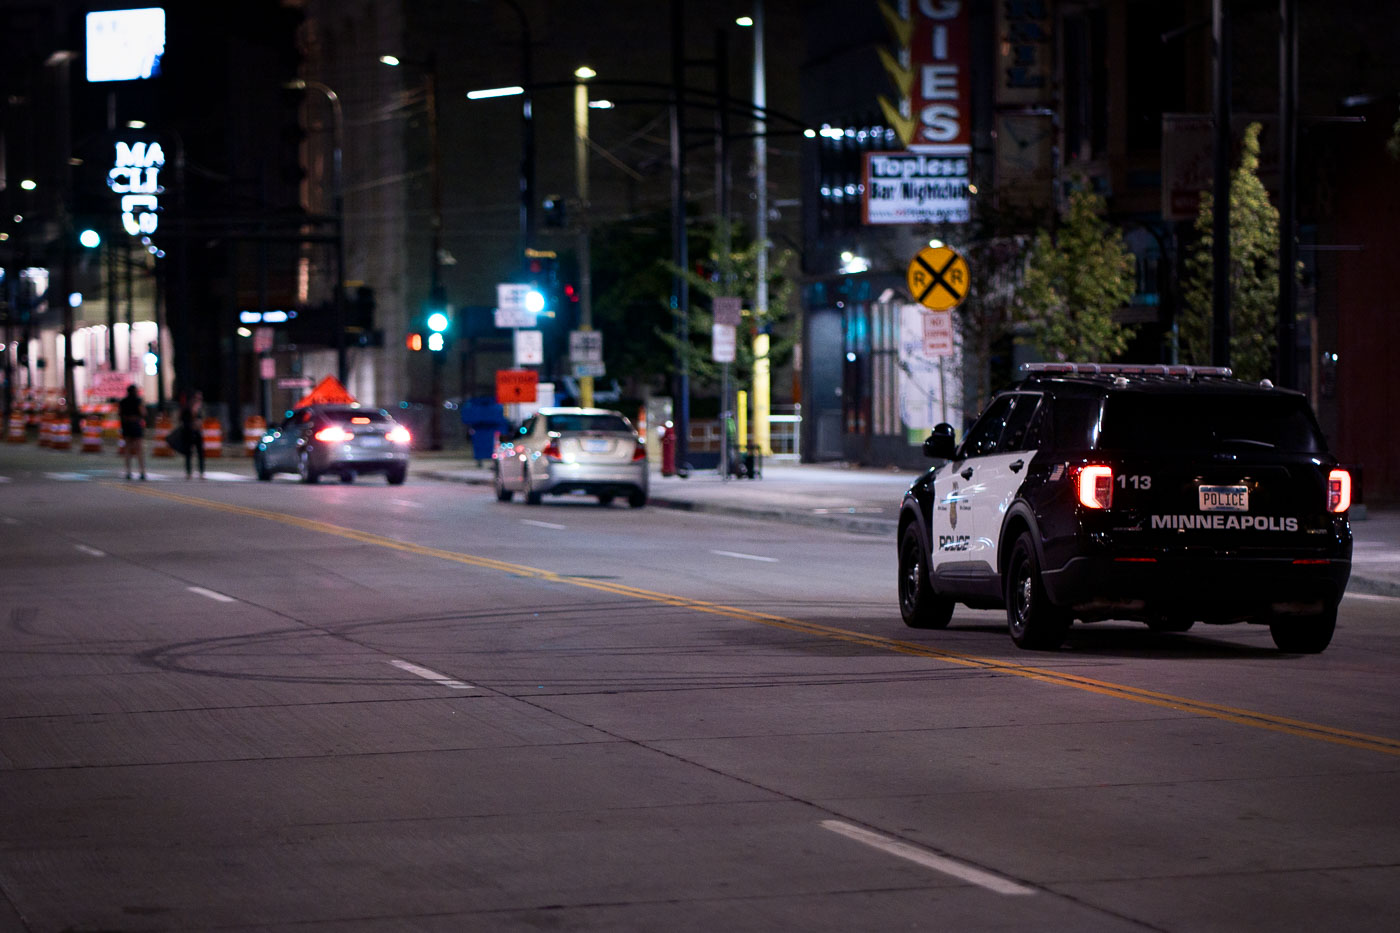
point(437, 322)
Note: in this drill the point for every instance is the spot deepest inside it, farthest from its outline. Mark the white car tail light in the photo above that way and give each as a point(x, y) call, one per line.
point(1338, 491)
point(551, 451)
point(1095, 486)
point(640, 453)
point(400, 435)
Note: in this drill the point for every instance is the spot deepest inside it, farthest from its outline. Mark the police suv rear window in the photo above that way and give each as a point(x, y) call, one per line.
point(1208, 422)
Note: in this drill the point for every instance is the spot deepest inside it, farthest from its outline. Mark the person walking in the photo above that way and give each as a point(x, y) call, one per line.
point(191, 424)
point(132, 412)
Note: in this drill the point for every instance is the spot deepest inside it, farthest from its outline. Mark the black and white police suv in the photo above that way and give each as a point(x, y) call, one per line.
point(1163, 494)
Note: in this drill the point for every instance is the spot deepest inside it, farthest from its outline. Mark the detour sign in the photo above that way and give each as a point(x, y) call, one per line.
point(516, 385)
point(938, 278)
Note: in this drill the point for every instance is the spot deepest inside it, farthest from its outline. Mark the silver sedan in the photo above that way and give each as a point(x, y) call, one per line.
point(593, 451)
point(345, 440)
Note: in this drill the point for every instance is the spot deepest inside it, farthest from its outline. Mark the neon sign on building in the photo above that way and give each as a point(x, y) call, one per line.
point(135, 175)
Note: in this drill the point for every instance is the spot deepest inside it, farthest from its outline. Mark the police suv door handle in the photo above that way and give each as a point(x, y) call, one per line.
point(1016, 467)
point(967, 474)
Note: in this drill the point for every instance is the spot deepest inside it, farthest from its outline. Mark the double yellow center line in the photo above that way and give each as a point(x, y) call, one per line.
point(1244, 717)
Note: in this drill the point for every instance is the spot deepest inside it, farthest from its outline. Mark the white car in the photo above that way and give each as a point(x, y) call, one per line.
point(593, 451)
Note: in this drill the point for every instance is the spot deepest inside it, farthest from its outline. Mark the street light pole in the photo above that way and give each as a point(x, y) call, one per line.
point(338, 208)
point(762, 368)
point(585, 383)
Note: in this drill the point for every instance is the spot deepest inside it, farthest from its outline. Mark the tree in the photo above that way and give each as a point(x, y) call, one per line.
point(1253, 274)
point(736, 274)
point(1075, 279)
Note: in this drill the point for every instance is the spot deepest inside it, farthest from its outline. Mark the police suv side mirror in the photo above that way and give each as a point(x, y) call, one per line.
point(940, 445)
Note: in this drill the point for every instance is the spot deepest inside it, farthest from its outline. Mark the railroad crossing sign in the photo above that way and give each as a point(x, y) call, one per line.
point(938, 278)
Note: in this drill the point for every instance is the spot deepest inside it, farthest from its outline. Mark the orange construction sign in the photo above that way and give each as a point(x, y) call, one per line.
point(516, 385)
point(328, 391)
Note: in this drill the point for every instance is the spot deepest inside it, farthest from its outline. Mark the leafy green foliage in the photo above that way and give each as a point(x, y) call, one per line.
point(735, 273)
point(1253, 274)
point(1074, 281)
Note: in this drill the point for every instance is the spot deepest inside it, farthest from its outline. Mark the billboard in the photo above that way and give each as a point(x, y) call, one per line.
point(125, 45)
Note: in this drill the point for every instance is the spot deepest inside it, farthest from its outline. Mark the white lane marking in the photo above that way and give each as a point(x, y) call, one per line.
point(90, 550)
point(7, 520)
point(927, 859)
point(408, 502)
point(1372, 596)
point(427, 674)
point(210, 594)
point(766, 560)
point(69, 477)
point(5, 479)
point(531, 521)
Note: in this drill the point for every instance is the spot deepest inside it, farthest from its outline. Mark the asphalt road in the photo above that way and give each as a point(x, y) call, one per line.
point(234, 705)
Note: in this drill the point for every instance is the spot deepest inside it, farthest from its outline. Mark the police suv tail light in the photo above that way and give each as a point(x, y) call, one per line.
point(1338, 491)
point(1095, 487)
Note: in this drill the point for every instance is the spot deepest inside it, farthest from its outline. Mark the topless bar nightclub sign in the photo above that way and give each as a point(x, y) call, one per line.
point(929, 65)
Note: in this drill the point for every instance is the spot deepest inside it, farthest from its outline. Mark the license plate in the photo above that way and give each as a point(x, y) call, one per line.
point(371, 441)
point(1224, 498)
point(594, 445)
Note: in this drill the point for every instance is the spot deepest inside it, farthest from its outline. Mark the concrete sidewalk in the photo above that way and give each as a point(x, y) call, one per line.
point(863, 500)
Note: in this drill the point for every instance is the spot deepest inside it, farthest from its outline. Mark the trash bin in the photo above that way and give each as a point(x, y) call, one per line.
point(485, 419)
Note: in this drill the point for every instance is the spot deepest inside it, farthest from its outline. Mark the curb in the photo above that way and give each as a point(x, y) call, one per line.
point(850, 523)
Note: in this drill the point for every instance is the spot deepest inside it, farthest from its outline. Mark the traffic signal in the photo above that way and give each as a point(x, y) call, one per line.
point(438, 320)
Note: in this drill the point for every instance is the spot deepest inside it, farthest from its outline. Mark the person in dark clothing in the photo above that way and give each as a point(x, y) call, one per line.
point(132, 412)
point(191, 421)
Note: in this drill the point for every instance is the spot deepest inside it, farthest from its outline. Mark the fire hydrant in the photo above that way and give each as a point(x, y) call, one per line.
point(668, 449)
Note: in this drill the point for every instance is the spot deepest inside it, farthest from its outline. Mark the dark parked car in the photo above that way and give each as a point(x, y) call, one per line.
point(1167, 495)
point(344, 440)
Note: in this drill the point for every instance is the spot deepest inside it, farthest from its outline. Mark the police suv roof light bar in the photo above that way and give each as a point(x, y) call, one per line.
point(1124, 369)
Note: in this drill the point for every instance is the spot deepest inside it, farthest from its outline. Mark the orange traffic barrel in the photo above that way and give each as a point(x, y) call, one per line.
point(213, 437)
point(17, 432)
point(92, 435)
point(253, 428)
point(62, 436)
point(161, 448)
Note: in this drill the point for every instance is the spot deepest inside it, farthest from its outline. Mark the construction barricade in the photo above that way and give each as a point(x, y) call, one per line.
point(92, 434)
point(213, 433)
point(18, 431)
point(253, 428)
point(62, 436)
point(161, 442)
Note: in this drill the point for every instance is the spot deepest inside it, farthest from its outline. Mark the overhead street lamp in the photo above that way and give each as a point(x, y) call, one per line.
point(525, 90)
point(585, 260)
point(437, 296)
point(338, 194)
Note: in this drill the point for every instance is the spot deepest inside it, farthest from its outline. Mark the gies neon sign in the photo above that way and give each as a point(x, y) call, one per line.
point(135, 175)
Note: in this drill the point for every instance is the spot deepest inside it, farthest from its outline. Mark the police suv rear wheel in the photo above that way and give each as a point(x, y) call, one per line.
point(920, 606)
point(1035, 622)
point(1306, 635)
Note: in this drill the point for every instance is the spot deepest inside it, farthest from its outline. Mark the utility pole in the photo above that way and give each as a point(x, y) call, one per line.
point(762, 370)
point(1286, 372)
point(1220, 255)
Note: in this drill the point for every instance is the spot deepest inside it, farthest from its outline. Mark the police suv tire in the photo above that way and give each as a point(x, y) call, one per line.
point(920, 606)
point(1306, 635)
point(1036, 624)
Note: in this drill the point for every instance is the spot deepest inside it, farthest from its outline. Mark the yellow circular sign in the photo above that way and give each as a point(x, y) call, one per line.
point(939, 278)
